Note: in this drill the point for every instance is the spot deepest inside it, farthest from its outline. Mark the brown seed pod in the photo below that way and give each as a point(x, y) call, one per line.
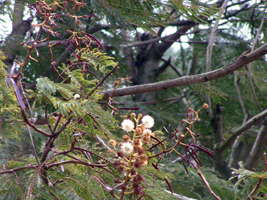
point(146, 138)
point(143, 157)
point(126, 138)
point(138, 143)
point(140, 150)
point(138, 131)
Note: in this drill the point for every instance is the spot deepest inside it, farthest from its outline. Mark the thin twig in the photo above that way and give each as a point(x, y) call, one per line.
point(173, 67)
point(210, 47)
point(32, 125)
point(240, 97)
point(18, 180)
point(103, 79)
point(46, 119)
point(10, 171)
point(33, 145)
point(249, 66)
point(207, 185)
point(260, 180)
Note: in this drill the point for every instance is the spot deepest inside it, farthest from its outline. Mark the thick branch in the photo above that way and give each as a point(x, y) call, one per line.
point(161, 48)
point(243, 128)
point(19, 30)
point(188, 80)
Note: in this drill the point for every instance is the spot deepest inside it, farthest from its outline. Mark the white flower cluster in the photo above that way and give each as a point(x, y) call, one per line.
point(127, 125)
point(126, 148)
point(148, 121)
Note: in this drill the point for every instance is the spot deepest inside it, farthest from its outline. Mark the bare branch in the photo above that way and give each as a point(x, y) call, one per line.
point(249, 67)
point(188, 80)
point(243, 128)
point(207, 185)
point(258, 149)
point(11, 171)
point(73, 161)
point(33, 126)
point(210, 47)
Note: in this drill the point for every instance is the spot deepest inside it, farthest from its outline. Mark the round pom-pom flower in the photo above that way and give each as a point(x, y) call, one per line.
point(148, 121)
point(126, 148)
point(127, 125)
point(112, 143)
point(147, 132)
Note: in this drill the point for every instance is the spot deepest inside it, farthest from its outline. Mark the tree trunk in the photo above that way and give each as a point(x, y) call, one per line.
point(19, 30)
point(219, 163)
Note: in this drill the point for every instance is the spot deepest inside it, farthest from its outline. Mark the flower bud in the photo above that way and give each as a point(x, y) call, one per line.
point(138, 143)
point(112, 143)
point(133, 115)
point(206, 106)
point(138, 131)
point(126, 138)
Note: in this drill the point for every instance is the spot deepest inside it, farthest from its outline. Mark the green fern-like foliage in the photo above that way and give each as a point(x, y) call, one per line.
point(194, 10)
point(146, 14)
point(215, 93)
point(127, 13)
point(247, 179)
point(192, 186)
point(10, 124)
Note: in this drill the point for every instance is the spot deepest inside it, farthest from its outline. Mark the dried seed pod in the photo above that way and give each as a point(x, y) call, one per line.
point(143, 157)
point(140, 150)
point(138, 131)
point(126, 138)
point(138, 143)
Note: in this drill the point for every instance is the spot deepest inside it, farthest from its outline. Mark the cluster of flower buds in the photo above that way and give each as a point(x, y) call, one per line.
point(132, 152)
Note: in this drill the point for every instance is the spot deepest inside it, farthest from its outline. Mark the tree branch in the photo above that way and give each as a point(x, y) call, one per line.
point(209, 50)
point(258, 149)
point(33, 126)
point(249, 66)
point(11, 171)
point(243, 128)
point(19, 29)
point(188, 80)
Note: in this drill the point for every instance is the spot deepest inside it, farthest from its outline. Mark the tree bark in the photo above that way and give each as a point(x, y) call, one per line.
point(19, 29)
point(148, 58)
point(258, 149)
point(219, 163)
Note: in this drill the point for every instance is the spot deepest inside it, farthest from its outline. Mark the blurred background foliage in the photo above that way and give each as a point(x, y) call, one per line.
point(123, 27)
